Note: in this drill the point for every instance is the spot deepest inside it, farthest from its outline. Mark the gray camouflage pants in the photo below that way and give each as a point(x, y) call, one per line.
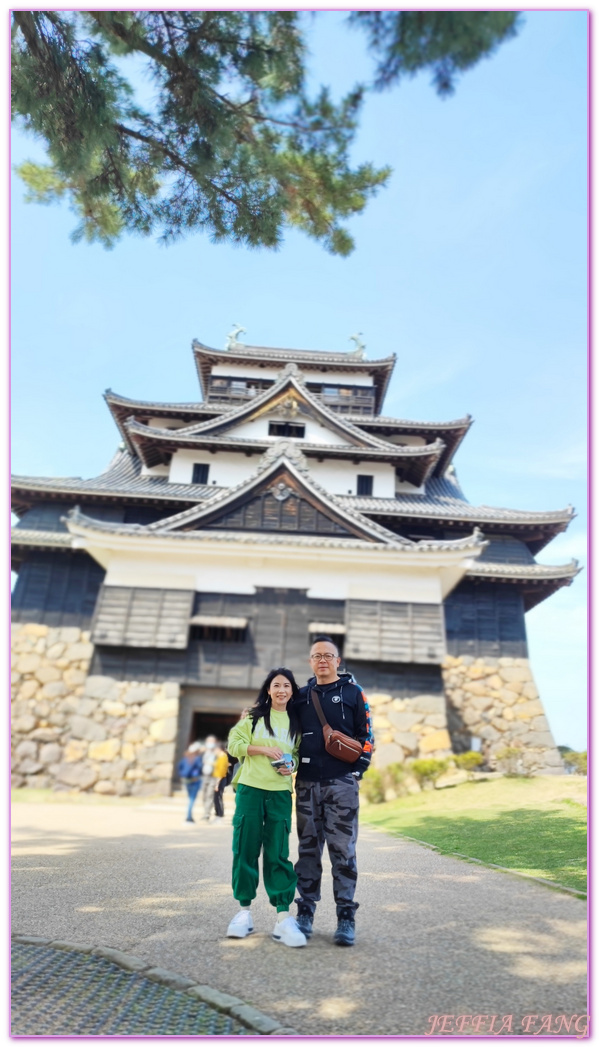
point(327, 810)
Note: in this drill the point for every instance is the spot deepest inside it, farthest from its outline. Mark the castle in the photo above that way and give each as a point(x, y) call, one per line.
point(152, 600)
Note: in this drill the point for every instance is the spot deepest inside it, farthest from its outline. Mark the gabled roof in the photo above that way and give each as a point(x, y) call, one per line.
point(155, 445)
point(452, 433)
point(306, 359)
point(121, 408)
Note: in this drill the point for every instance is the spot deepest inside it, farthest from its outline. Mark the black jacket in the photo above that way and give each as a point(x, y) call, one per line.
point(346, 709)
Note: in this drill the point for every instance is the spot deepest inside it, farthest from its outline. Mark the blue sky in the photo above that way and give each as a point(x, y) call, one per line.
point(470, 266)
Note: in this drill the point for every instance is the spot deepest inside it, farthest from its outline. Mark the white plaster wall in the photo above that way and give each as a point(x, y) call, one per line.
point(315, 433)
point(156, 470)
point(408, 441)
point(340, 477)
point(251, 370)
point(237, 570)
point(227, 468)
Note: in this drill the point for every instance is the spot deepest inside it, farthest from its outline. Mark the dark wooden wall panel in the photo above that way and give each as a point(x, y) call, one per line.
point(57, 588)
point(485, 620)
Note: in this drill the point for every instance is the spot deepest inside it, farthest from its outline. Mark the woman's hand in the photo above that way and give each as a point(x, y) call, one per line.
point(284, 770)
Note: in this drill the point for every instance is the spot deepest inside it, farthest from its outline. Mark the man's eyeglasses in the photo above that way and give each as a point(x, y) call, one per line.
point(323, 657)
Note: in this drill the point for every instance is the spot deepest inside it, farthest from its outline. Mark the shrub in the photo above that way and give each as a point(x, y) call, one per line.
point(376, 782)
point(509, 760)
point(428, 770)
point(469, 761)
point(576, 763)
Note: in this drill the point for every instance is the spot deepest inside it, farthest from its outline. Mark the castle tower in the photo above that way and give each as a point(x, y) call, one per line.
point(152, 600)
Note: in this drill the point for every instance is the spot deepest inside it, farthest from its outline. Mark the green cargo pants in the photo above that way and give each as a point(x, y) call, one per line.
point(262, 822)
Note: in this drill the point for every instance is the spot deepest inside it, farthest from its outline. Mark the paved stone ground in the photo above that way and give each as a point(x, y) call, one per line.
point(58, 992)
point(435, 935)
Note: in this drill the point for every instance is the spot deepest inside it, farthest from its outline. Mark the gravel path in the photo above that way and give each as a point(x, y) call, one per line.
point(435, 935)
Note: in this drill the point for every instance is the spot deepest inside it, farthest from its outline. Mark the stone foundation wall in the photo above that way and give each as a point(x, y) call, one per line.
point(89, 733)
point(409, 727)
point(496, 700)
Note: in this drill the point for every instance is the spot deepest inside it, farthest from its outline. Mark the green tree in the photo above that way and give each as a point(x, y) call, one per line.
point(233, 144)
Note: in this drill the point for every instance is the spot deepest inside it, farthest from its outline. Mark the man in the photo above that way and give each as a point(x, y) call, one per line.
point(207, 787)
point(219, 774)
point(327, 797)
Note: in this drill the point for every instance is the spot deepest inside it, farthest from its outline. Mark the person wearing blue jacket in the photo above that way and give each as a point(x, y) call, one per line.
point(327, 793)
point(190, 773)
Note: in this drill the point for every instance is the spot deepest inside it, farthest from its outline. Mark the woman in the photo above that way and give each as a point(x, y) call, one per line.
point(262, 817)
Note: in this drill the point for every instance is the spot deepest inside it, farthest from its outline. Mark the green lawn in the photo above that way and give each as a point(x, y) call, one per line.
point(532, 825)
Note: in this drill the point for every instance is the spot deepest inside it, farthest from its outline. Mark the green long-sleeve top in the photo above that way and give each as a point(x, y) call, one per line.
point(258, 770)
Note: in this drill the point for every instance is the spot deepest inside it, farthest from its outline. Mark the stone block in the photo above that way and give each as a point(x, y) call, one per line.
point(489, 733)
point(255, 1019)
point(495, 682)
point(386, 754)
point(452, 777)
point(529, 690)
point(104, 750)
point(481, 702)
point(508, 713)
point(28, 689)
point(471, 716)
point(26, 748)
point(55, 651)
point(428, 703)
point(114, 708)
point(46, 734)
point(79, 652)
point(115, 770)
point(127, 751)
point(29, 766)
point(42, 710)
point(478, 689)
point(136, 694)
point(408, 740)
point(50, 753)
point(77, 775)
point(157, 753)
point(81, 727)
point(28, 663)
point(515, 674)
point(122, 959)
point(55, 689)
point(163, 770)
point(501, 724)
point(437, 740)
point(160, 709)
point(48, 674)
point(436, 720)
point(69, 634)
point(23, 724)
point(134, 733)
point(166, 730)
point(32, 629)
point(221, 1001)
point(526, 710)
point(540, 738)
point(17, 781)
point(509, 697)
point(38, 781)
point(379, 698)
point(101, 687)
point(73, 677)
point(105, 788)
point(398, 704)
point(404, 720)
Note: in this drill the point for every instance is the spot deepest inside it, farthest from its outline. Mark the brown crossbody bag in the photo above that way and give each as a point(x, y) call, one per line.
point(336, 743)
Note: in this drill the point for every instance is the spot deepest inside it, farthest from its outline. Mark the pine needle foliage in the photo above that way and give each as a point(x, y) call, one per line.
point(232, 143)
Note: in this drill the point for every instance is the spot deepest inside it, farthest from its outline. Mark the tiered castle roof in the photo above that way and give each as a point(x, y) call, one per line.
point(153, 431)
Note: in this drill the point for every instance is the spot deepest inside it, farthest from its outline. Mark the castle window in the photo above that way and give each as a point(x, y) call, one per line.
point(218, 629)
point(286, 429)
point(365, 485)
point(200, 473)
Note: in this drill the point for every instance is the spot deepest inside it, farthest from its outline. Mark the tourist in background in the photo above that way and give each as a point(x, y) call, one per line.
point(263, 806)
point(221, 767)
point(190, 773)
point(207, 786)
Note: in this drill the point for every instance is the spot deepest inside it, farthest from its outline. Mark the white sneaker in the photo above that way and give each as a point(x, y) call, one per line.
point(241, 925)
point(288, 933)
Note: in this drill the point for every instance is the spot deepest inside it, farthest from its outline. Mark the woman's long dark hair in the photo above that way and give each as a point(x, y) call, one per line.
point(262, 706)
